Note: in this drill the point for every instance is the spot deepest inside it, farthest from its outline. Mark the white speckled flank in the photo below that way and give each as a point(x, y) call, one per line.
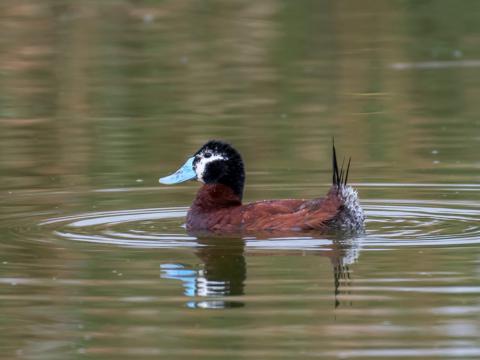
point(352, 216)
point(201, 164)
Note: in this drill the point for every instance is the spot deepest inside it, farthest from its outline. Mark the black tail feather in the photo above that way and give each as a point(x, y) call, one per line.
point(340, 176)
point(335, 175)
point(341, 170)
point(348, 169)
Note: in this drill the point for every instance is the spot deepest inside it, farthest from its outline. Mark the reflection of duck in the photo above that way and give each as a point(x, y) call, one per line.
point(218, 207)
point(223, 271)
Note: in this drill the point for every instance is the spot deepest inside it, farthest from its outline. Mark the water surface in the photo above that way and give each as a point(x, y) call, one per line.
point(99, 99)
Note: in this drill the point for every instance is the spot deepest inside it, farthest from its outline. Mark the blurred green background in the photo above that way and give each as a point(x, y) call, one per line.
point(99, 94)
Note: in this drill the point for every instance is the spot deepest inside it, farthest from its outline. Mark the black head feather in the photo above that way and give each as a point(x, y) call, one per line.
point(219, 163)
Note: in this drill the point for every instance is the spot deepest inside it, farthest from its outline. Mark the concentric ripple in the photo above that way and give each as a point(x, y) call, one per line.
point(390, 223)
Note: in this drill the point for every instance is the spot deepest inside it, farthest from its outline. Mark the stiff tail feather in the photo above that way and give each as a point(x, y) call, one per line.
point(340, 176)
point(350, 215)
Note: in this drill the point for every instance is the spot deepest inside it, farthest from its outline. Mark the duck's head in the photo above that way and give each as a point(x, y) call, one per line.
point(215, 163)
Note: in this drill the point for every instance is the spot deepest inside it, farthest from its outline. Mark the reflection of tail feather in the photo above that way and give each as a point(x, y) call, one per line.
point(343, 255)
point(341, 274)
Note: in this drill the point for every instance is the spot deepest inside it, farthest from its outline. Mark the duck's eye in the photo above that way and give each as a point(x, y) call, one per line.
point(207, 155)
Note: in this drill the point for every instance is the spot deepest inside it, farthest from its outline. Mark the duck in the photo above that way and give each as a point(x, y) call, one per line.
point(218, 206)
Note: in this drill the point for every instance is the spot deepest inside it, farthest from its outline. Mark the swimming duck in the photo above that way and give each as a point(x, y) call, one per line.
point(218, 205)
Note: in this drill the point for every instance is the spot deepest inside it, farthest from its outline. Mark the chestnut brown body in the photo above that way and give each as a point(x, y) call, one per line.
point(216, 207)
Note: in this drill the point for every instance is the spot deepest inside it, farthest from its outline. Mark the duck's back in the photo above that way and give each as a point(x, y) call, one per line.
point(286, 215)
point(338, 210)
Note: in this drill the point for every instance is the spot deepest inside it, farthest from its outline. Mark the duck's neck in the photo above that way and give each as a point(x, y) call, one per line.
point(215, 197)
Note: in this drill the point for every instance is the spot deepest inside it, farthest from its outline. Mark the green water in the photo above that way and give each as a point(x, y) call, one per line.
point(100, 99)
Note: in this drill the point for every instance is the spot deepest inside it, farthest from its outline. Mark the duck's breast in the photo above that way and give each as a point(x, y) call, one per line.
point(226, 219)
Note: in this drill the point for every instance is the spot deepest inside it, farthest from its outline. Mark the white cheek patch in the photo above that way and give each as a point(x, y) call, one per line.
point(201, 165)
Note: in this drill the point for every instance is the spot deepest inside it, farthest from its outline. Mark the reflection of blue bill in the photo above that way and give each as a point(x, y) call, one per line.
point(178, 272)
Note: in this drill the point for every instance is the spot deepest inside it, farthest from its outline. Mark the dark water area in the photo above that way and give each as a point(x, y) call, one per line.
point(100, 99)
